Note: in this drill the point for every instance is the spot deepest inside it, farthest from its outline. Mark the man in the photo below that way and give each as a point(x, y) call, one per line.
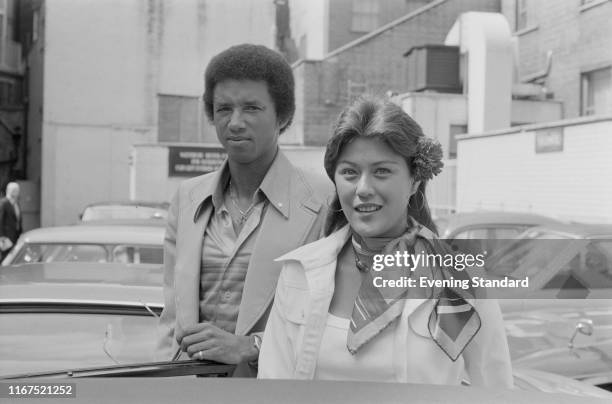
point(226, 228)
point(10, 219)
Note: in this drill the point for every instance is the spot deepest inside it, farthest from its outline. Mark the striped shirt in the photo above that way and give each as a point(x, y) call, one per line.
point(225, 259)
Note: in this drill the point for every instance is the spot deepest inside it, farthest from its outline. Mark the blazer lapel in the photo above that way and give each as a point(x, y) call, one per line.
point(189, 250)
point(277, 235)
point(188, 267)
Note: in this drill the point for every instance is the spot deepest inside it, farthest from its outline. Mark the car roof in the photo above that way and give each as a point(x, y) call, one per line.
point(582, 230)
point(456, 220)
point(83, 234)
point(150, 204)
point(157, 222)
point(222, 389)
point(82, 282)
point(481, 217)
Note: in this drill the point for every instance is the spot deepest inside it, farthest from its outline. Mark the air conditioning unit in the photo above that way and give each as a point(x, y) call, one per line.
point(433, 68)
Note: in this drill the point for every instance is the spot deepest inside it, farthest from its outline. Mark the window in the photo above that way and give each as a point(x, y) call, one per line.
point(355, 89)
point(365, 15)
point(2, 39)
point(596, 95)
point(35, 26)
point(521, 15)
point(10, 93)
point(178, 119)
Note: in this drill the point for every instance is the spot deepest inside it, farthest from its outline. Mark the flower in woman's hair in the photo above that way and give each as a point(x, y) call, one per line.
point(427, 160)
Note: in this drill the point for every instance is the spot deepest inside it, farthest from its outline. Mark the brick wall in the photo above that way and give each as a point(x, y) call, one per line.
point(378, 62)
point(340, 17)
point(579, 37)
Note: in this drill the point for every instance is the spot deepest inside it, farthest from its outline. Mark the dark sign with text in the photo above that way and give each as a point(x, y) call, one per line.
point(189, 161)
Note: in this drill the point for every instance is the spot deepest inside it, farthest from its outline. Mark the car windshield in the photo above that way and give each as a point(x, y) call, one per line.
point(52, 252)
point(77, 339)
point(112, 212)
point(553, 264)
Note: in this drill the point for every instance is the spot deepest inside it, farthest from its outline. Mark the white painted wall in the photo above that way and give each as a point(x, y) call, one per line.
point(484, 38)
point(503, 172)
point(98, 97)
point(95, 63)
point(196, 30)
point(436, 112)
point(149, 169)
point(105, 62)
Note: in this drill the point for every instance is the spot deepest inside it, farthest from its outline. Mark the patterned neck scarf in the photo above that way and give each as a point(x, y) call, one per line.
point(453, 321)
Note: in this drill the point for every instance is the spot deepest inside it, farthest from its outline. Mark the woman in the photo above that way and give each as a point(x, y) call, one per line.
point(332, 319)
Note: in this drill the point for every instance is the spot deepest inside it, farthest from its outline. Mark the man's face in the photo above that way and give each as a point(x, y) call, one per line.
point(246, 121)
point(13, 193)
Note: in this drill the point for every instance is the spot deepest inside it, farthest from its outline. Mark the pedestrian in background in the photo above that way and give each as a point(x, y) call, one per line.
point(330, 320)
point(225, 228)
point(10, 219)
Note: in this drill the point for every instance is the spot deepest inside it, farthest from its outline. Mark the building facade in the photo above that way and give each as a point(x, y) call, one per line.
point(372, 63)
point(567, 47)
point(106, 75)
point(322, 26)
point(12, 124)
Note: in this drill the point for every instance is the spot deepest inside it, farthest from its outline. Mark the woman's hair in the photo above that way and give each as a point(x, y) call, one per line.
point(256, 63)
point(378, 118)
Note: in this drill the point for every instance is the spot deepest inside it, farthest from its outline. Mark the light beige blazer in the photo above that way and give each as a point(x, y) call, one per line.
point(297, 221)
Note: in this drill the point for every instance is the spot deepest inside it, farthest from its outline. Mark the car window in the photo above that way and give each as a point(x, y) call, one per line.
point(131, 254)
point(31, 253)
point(151, 255)
point(490, 238)
point(590, 268)
point(508, 232)
point(63, 340)
point(473, 233)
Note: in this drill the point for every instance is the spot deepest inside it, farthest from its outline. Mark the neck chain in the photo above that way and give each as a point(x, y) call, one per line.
point(244, 215)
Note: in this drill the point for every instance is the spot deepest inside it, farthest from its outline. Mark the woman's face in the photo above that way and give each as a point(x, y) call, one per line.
point(374, 185)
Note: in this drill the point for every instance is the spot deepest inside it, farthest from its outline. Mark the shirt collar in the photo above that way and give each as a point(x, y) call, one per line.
point(320, 252)
point(274, 186)
point(220, 187)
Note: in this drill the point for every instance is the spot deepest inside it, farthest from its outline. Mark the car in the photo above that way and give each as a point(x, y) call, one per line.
point(60, 315)
point(566, 264)
point(99, 321)
point(126, 244)
point(572, 342)
point(536, 380)
point(164, 379)
point(126, 212)
point(488, 224)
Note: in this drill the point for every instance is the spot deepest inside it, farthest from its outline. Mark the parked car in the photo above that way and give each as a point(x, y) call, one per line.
point(126, 212)
point(488, 224)
point(71, 315)
point(537, 380)
point(99, 321)
point(567, 265)
point(160, 382)
point(572, 342)
point(126, 244)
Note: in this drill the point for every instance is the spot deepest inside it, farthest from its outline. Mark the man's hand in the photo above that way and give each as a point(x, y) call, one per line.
point(217, 344)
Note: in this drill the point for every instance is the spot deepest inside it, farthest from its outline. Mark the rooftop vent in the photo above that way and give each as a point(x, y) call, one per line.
point(433, 68)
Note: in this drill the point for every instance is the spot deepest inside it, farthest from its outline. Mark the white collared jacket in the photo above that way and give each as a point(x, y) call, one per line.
point(299, 314)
